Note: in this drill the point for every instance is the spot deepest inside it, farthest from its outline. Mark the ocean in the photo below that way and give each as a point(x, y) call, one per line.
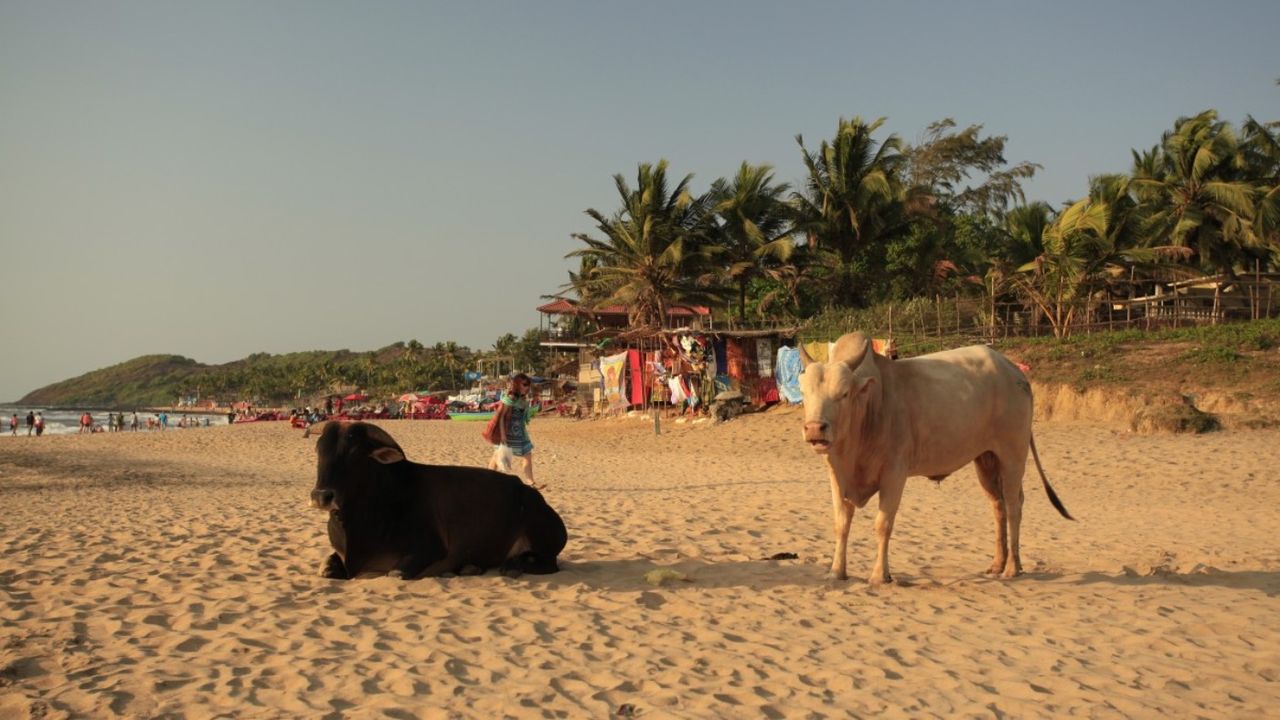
point(67, 422)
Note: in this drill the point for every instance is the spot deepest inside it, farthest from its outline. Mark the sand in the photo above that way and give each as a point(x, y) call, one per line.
point(175, 574)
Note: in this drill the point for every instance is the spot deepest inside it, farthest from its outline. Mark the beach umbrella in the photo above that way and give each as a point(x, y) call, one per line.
point(356, 397)
point(409, 397)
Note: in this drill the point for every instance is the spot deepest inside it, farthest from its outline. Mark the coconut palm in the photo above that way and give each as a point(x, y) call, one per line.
point(1195, 193)
point(1080, 259)
point(652, 252)
point(1262, 164)
point(853, 202)
point(451, 357)
point(753, 234)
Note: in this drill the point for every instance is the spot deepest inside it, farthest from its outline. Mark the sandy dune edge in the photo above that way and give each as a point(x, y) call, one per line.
point(175, 574)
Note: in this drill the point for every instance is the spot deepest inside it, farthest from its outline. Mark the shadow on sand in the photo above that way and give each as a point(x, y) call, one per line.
point(629, 575)
point(1266, 581)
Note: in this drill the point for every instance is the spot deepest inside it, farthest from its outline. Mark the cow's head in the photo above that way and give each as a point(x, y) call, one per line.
point(347, 455)
point(837, 392)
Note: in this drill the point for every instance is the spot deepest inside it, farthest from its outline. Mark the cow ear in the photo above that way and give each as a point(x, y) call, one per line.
point(386, 455)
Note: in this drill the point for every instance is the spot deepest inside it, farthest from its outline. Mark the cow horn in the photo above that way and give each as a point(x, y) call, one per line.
point(851, 349)
point(805, 359)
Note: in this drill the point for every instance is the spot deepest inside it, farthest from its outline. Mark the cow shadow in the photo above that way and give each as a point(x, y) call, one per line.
point(638, 574)
point(632, 490)
point(633, 575)
point(1265, 581)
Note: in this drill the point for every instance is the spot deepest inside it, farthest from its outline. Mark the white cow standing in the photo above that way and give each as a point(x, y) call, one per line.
point(879, 421)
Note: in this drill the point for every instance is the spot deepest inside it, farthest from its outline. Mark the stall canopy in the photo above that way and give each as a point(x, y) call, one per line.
point(356, 397)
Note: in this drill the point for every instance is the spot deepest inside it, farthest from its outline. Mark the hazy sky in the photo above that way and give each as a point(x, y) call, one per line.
point(216, 179)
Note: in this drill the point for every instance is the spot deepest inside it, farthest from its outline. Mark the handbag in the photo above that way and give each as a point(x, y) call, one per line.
point(490, 431)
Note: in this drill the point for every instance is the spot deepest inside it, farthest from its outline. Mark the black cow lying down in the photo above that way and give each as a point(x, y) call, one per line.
point(389, 514)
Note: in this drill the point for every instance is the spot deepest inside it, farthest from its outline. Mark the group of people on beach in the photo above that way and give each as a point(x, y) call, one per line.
point(35, 423)
point(115, 423)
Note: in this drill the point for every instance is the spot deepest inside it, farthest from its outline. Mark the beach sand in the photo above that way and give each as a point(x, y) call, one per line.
point(175, 574)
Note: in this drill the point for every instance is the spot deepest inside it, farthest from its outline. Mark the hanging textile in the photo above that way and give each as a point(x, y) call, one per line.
point(787, 372)
point(613, 368)
point(735, 359)
point(767, 390)
point(722, 361)
point(637, 377)
point(764, 357)
point(677, 391)
point(817, 350)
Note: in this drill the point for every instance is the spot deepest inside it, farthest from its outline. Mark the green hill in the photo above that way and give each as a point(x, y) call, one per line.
point(142, 381)
point(262, 378)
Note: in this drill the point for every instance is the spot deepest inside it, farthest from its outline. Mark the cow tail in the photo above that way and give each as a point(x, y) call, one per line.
point(1053, 496)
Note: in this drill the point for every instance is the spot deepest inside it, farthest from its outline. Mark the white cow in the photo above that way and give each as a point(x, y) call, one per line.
point(879, 421)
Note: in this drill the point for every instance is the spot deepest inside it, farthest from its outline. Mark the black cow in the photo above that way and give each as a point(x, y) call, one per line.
point(389, 514)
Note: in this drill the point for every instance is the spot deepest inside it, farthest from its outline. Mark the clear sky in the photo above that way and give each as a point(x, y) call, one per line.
point(221, 178)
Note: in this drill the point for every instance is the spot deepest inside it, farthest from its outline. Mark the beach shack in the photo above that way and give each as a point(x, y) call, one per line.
point(1211, 299)
point(683, 365)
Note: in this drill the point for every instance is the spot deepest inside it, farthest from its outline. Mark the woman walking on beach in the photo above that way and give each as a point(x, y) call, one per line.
point(511, 423)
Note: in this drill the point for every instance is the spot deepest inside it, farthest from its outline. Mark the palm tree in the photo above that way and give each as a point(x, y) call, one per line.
point(1024, 228)
point(451, 356)
point(1195, 195)
point(1080, 258)
point(652, 251)
point(753, 235)
point(1262, 165)
point(853, 201)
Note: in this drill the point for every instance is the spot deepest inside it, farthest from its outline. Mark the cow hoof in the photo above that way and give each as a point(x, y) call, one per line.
point(333, 569)
point(880, 580)
point(1012, 573)
point(471, 570)
point(512, 572)
point(396, 574)
point(835, 578)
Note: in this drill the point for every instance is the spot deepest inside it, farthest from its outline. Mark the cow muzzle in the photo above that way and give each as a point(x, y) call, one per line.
point(324, 500)
point(815, 433)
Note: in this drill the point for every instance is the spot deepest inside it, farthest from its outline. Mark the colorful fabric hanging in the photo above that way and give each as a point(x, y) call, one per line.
point(637, 377)
point(787, 373)
point(612, 370)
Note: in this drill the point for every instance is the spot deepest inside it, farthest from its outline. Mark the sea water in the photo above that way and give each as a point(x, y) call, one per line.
point(67, 422)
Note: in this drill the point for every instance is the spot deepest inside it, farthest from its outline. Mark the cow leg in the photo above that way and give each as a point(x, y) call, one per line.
point(890, 498)
point(989, 477)
point(445, 565)
point(841, 517)
point(411, 566)
point(1011, 471)
point(334, 568)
